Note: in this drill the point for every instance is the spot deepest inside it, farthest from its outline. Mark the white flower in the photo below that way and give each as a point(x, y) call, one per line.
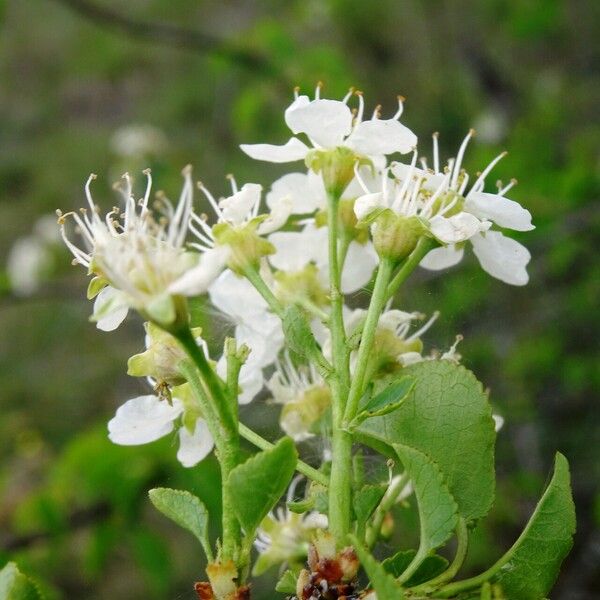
point(304, 395)
point(148, 418)
point(139, 257)
point(138, 140)
point(330, 124)
point(30, 257)
point(457, 213)
point(239, 213)
point(296, 249)
point(284, 536)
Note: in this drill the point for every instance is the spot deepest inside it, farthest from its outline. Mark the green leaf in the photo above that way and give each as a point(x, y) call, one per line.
point(431, 567)
point(260, 482)
point(438, 512)
point(386, 401)
point(16, 586)
point(186, 510)
point(287, 583)
point(365, 501)
point(383, 583)
point(446, 416)
point(530, 568)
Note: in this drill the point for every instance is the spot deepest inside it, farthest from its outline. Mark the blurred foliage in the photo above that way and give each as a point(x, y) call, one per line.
point(73, 508)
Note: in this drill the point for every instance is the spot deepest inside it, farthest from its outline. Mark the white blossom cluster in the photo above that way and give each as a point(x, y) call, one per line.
point(148, 257)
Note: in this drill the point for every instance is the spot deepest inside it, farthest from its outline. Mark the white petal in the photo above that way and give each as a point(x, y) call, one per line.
point(292, 150)
point(360, 262)
point(326, 122)
point(456, 228)
point(142, 420)
point(409, 358)
point(236, 207)
point(291, 254)
point(502, 257)
point(110, 309)
point(299, 188)
point(251, 383)
point(501, 210)
point(498, 422)
point(278, 216)
point(392, 319)
point(366, 204)
point(193, 447)
point(263, 334)
point(198, 279)
point(442, 258)
point(382, 136)
point(235, 296)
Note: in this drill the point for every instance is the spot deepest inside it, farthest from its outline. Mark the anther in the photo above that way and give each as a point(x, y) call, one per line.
point(187, 170)
point(147, 171)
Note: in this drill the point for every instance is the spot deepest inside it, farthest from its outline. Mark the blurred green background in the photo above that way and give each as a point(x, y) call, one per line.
point(105, 86)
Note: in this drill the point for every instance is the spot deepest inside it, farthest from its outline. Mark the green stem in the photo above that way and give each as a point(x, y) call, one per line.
point(340, 488)
point(424, 245)
point(264, 290)
point(301, 467)
point(389, 499)
point(462, 535)
point(378, 300)
point(227, 443)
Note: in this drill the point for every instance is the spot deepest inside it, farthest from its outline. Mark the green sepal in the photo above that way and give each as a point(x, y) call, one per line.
point(96, 285)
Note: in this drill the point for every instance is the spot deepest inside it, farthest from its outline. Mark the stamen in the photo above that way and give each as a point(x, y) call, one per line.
point(399, 201)
point(348, 95)
point(359, 178)
point(318, 90)
point(425, 327)
point(233, 183)
point(296, 91)
point(436, 152)
point(144, 203)
point(401, 100)
point(210, 199)
point(480, 182)
point(377, 112)
point(459, 157)
point(509, 186)
point(361, 106)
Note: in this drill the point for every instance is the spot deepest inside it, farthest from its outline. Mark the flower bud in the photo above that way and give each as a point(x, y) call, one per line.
point(299, 416)
point(161, 358)
point(396, 236)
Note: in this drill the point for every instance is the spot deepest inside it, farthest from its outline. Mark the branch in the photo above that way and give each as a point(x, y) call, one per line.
point(171, 35)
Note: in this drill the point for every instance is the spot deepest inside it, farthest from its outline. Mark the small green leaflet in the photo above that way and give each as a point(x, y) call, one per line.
point(531, 566)
point(386, 401)
point(186, 510)
point(383, 583)
point(259, 483)
point(438, 512)
point(16, 586)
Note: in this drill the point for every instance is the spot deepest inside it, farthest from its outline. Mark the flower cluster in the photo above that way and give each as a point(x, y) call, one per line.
point(284, 278)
